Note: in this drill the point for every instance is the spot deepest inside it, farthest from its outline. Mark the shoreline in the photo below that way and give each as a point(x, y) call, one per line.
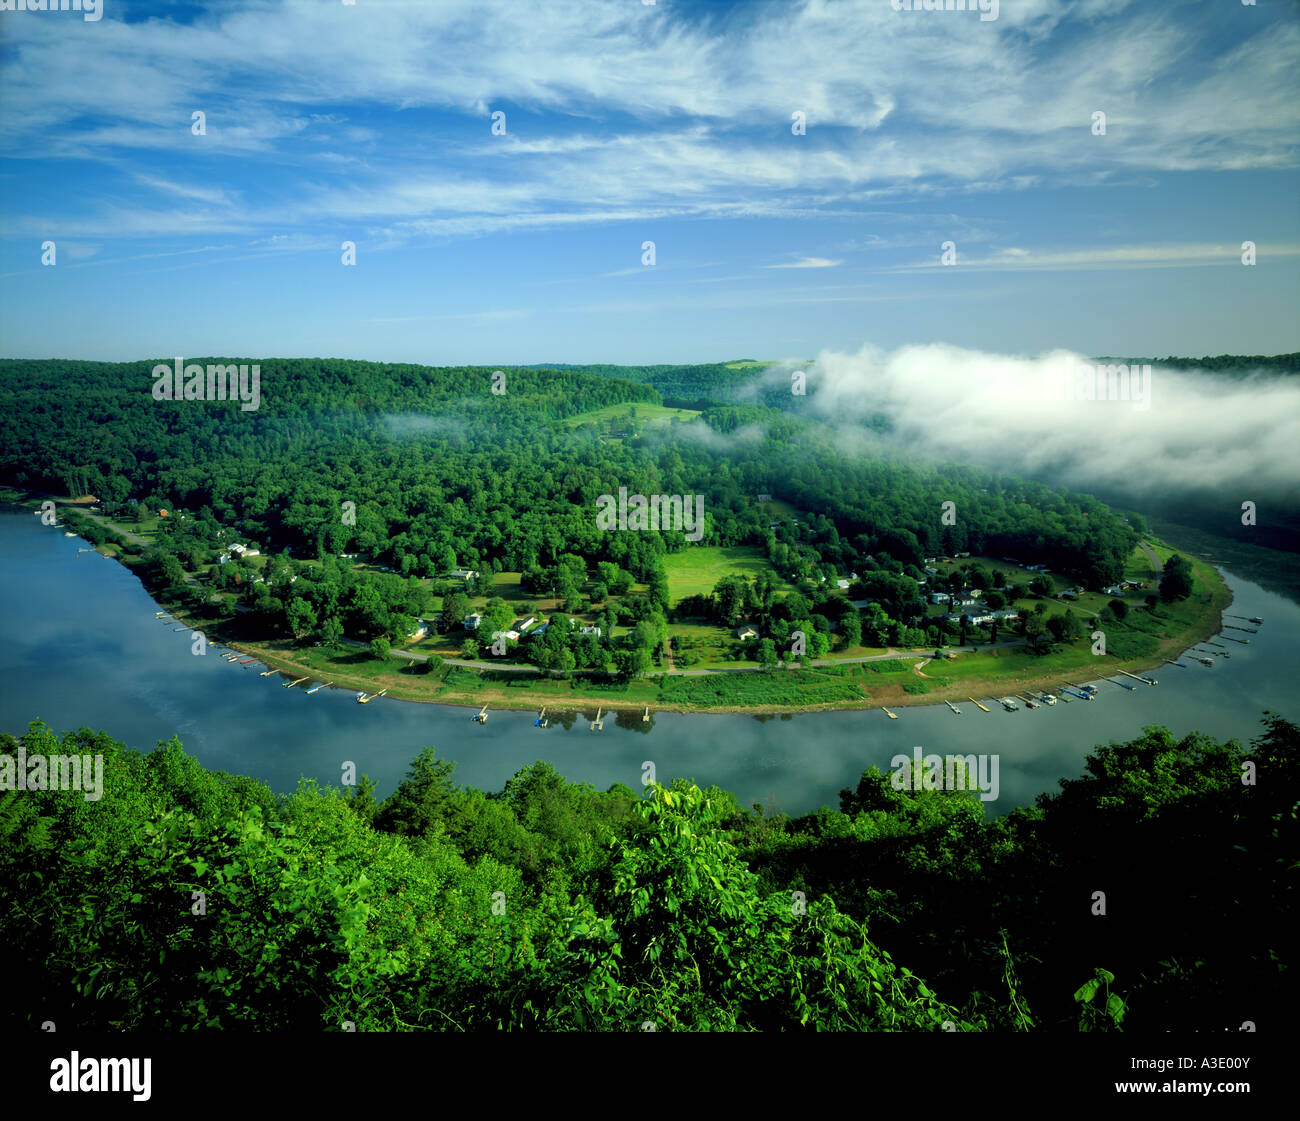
point(886, 693)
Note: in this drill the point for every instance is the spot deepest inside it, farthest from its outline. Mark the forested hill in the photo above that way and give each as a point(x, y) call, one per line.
point(1237, 365)
point(439, 464)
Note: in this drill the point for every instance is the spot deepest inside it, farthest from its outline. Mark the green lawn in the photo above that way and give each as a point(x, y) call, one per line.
point(697, 570)
point(645, 413)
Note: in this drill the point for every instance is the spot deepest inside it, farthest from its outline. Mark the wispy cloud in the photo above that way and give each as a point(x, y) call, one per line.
point(807, 263)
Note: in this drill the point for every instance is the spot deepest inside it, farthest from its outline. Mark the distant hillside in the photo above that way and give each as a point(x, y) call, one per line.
point(1233, 364)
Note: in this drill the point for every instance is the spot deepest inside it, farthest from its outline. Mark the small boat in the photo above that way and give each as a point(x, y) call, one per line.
point(541, 721)
point(953, 707)
point(362, 699)
point(267, 673)
point(1029, 701)
point(1047, 698)
point(1009, 704)
point(69, 534)
point(245, 661)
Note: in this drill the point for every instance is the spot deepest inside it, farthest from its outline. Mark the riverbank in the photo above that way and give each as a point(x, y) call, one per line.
point(894, 679)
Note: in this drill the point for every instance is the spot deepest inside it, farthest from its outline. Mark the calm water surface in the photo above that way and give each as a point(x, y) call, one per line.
point(81, 647)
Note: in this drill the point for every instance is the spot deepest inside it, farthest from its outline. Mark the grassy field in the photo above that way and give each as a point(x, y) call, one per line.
point(696, 571)
point(639, 412)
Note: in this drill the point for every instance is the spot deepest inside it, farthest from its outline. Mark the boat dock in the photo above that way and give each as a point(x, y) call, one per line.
point(1047, 698)
point(1144, 680)
point(1086, 688)
point(976, 703)
point(1029, 701)
point(482, 716)
point(1248, 618)
point(318, 688)
point(1122, 684)
point(1248, 630)
point(645, 716)
point(267, 673)
point(245, 661)
point(541, 721)
point(291, 684)
point(953, 707)
point(1243, 641)
point(597, 724)
point(1008, 704)
point(1075, 693)
point(362, 699)
point(1171, 662)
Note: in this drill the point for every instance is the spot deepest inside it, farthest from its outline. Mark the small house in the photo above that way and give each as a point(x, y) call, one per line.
point(473, 622)
point(746, 633)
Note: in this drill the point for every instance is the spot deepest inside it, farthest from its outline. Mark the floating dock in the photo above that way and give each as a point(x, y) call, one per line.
point(245, 661)
point(291, 684)
point(1075, 693)
point(541, 721)
point(481, 718)
point(1247, 618)
point(1243, 641)
point(645, 716)
point(1205, 661)
point(976, 703)
point(953, 707)
point(362, 699)
point(1008, 704)
point(1248, 630)
point(318, 688)
point(1122, 684)
point(597, 724)
point(1144, 680)
point(267, 673)
point(1047, 698)
point(1171, 662)
point(1029, 701)
point(1086, 688)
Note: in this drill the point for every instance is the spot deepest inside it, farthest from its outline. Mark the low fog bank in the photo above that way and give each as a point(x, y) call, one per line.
point(1175, 436)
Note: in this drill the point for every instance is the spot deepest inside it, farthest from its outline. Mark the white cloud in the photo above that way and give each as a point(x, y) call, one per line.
point(807, 263)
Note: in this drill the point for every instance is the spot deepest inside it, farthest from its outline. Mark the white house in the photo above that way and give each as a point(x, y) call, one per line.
point(746, 633)
point(473, 622)
point(590, 630)
point(464, 574)
point(527, 623)
point(940, 597)
point(1114, 590)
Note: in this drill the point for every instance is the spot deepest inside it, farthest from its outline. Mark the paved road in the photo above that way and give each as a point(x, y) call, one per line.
point(1151, 556)
point(520, 667)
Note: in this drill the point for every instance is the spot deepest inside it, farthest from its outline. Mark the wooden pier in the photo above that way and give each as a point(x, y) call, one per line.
point(481, 718)
point(318, 688)
point(362, 699)
point(268, 673)
point(597, 724)
point(645, 716)
point(976, 703)
point(291, 684)
point(1135, 677)
point(953, 707)
point(888, 713)
point(541, 721)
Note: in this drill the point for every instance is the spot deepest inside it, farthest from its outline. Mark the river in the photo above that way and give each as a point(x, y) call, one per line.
point(82, 648)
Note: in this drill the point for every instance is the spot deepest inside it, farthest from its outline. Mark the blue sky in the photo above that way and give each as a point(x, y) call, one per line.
point(629, 122)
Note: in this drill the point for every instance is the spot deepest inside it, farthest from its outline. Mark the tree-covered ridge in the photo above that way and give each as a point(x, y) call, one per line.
point(186, 899)
point(438, 465)
point(1232, 364)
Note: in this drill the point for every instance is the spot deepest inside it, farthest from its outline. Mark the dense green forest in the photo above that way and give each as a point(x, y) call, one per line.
point(444, 472)
point(187, 899)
